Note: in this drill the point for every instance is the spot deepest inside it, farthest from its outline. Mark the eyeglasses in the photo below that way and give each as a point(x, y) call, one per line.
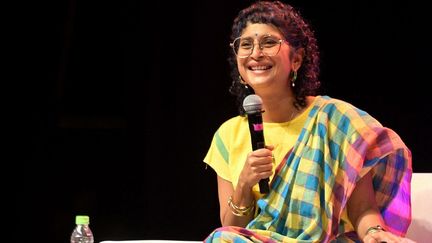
point(269, 45)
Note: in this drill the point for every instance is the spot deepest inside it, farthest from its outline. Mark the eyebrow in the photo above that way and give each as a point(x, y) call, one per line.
point(260, 36)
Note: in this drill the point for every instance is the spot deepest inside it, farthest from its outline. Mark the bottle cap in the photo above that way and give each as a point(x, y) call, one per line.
point(82, 219)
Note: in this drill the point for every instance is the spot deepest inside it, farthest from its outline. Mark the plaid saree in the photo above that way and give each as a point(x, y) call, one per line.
point(337, 146)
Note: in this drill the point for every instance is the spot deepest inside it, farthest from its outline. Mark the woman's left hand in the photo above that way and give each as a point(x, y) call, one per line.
point(385, 237)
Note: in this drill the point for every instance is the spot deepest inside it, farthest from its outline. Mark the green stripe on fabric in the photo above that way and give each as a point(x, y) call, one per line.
point(221, 147)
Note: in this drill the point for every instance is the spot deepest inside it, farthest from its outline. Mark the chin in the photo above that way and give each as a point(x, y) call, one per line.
point(260, 81)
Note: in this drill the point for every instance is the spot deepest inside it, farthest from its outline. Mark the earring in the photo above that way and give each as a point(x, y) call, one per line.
point(293, 79)
point(243, 82)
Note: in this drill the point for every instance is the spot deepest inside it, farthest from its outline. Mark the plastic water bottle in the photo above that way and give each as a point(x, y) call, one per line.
point(82, 232)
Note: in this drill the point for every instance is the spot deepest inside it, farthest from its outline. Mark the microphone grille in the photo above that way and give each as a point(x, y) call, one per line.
point(252, 103)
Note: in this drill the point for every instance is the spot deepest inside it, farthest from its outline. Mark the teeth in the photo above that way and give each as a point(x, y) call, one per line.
point(260, 67)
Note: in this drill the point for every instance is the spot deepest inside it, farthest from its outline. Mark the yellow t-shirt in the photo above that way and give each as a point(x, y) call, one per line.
point(231, 143)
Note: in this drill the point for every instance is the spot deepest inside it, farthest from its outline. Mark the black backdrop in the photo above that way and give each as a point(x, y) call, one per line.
point(127, 95)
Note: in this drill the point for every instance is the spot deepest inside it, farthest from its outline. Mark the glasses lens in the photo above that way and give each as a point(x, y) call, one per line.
point(243, 46)
point(270, 45)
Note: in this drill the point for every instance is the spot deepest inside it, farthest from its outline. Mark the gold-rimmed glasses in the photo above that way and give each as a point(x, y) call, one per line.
point(269, 45)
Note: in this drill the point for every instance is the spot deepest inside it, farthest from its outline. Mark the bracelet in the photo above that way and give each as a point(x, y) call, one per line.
point(240, 211)
point(374, 229)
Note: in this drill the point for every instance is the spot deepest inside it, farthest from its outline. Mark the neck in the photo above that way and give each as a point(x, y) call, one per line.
point(279, 108)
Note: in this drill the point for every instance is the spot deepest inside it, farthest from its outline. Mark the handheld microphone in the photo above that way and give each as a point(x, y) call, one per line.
point(252, 104)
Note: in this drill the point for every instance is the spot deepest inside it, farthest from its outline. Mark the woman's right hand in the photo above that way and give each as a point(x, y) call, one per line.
point(258, 165)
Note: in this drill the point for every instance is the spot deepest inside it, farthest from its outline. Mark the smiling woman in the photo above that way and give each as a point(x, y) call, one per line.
point(336, 174)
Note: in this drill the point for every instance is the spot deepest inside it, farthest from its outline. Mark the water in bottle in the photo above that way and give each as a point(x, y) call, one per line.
point(82, 232)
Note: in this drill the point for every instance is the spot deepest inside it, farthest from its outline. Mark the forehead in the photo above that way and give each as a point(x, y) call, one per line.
point(258, 30)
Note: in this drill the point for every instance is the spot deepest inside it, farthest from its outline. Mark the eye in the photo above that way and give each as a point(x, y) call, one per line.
point(246, 44)
point(269, 42)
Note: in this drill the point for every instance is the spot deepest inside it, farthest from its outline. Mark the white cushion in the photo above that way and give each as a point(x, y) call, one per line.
point(420, 229)
point(150, 241)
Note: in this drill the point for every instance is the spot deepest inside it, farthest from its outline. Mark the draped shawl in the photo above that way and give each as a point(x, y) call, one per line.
point(338, 145)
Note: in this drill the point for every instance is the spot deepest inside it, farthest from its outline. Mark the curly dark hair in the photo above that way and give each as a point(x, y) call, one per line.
point(296, 31)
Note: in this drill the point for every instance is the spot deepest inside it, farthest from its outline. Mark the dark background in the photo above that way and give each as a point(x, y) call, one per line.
point(125, 97)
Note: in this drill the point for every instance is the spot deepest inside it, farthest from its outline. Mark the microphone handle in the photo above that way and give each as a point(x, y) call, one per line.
point(257, 138)
point(264, 186)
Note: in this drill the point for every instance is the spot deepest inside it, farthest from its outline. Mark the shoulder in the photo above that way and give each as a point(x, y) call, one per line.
point(329, 104)
point(231, 131)
point(340, 110)
point(233, 123)
point(236, 125)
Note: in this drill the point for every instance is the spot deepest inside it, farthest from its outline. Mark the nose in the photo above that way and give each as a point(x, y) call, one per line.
point(257, 51)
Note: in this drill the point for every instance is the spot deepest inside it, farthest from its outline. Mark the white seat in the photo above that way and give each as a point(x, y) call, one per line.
point(420, 229)
point(150, 241)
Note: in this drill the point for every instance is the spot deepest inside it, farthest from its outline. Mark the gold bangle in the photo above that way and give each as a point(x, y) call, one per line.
point(374, 229)
point(240, 211)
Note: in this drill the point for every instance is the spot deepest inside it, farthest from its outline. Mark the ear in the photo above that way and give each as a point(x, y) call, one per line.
point(297, 59)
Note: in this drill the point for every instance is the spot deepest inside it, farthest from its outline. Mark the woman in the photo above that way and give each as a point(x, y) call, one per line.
point(336, 174)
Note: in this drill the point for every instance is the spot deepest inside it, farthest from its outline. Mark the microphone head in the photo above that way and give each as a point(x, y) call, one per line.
point(252, 104)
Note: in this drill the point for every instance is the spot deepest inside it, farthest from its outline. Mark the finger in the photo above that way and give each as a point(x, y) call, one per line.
point(262, 152)
point(261, 161)
point(369, 239)
point(258, 168)
point(263, 175)
point(270, 147)
point(386, 237)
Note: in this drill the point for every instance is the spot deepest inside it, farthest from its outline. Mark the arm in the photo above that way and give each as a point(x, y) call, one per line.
point(363, 213)
point(362, 208)
point(225, 190)
point(258, 165)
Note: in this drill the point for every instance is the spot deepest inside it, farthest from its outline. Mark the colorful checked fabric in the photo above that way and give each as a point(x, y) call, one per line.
point(337, 146)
